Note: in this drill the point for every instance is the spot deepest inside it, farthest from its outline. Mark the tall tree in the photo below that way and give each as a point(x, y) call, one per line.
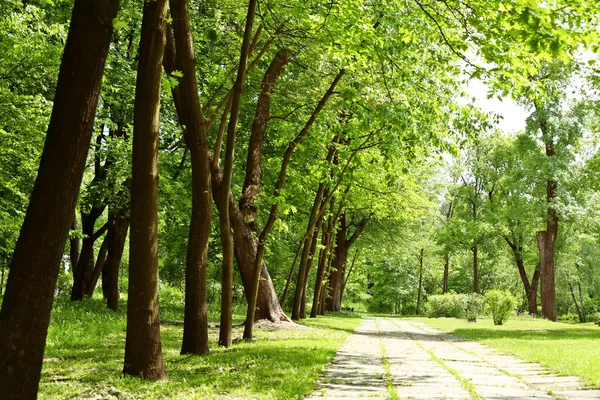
point(224, 219)
point(35, 264)
point(195, 328)
point(143, 351)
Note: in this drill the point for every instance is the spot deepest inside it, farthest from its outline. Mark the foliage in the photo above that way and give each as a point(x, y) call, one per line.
point(501, 304)
point(449, 305)
point(474, 307)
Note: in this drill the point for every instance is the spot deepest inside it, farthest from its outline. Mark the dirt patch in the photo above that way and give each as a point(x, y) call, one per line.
point(267, 325)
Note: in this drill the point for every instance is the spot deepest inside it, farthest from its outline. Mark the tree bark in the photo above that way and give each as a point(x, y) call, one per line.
point(446, 274)
point(323, 254)
point(579, 313)
point(85, 265)
point(310, 232)
point(143, 352)
point(340, 255)
point(256, 274)
point(547, 239)
point(90, 286)
point(420, 282)
point(195, 327)
point(74, 246)
point(110, 272)
point(309, 264)
point(224, 220)
point(475, 269)
point(36, 259)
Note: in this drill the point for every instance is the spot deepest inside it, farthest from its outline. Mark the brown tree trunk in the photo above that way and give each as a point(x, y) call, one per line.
point(345, 281)
point(323, 255)
point(579, 314)
point(310, 233)
point(110, 272)
point(340, 255)
point(224, 218)
point(143, 352)
point(309, 264)
point(74, 246)
point(475, 269)
point(446, 274)
point(582, 302)
point(530, 288)
point(333, 302)
point(547, 239)
point(90, 286)
point(85, 265)
point(420, 282)
point(195, 327)
point(258, 262)
point(36, 259)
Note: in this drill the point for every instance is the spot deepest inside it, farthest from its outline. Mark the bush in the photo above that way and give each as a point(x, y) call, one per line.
point(474, 306)
point(446, 305)
point(501, 304)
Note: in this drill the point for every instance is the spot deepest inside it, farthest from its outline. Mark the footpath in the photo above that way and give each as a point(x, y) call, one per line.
point(403, 359)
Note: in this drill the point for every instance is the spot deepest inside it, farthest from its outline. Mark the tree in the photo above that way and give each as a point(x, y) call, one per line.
point(195, 333)
point(35, 264)
point(143, 352)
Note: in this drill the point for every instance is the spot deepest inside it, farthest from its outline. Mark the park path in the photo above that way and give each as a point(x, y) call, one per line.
point(397, 358)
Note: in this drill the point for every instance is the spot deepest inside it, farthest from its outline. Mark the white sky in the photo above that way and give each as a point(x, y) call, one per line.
point(513, 114)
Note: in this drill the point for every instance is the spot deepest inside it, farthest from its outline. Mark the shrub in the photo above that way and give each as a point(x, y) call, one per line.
point(501, 304)
point(446, 305)
point(474, 306)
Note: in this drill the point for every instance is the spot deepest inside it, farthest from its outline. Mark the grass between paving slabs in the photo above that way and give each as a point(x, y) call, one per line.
point(85, 347)
point(566, 349)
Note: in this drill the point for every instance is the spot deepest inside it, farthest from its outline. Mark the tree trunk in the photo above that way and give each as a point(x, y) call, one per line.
point(323, 257)
point(90, 287)
point(309, 264)
point(36, 259)
point(110, 272)
point(74, 246)
point(420, 282)
point(143, 352)
point(582, 302)
point(340, 255)
point(300, 284)
point(530, 288)
point(579, 314)
point(547, 239)
point(446, 274)
point(195, 327)
point(85, 264)
point(475, 270)
point(546, 249)
point(224, 218)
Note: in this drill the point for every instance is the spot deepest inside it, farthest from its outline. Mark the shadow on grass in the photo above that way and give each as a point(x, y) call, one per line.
point(522, 334)
point(86, 342)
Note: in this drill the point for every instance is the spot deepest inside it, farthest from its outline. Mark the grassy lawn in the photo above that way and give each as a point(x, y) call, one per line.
point(85, 346)
point(566, 349)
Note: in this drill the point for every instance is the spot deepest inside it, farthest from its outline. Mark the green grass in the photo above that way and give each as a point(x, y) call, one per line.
point(566, 349)
point(86, 342)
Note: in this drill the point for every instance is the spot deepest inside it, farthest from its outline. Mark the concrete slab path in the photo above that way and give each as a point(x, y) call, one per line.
point(387, 358)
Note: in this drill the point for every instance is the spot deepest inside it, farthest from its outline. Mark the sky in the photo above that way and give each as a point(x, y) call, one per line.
point(513, 114)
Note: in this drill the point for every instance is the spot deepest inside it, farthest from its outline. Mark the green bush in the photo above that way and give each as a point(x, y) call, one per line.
point(474, 306)
point(501, 305)
point(446, 305)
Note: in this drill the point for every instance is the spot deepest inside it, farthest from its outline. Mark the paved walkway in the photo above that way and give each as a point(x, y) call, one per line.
point(397, 358)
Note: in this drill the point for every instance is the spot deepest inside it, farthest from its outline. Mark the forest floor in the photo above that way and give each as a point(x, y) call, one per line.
point(397, 358)
point(85, 346)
